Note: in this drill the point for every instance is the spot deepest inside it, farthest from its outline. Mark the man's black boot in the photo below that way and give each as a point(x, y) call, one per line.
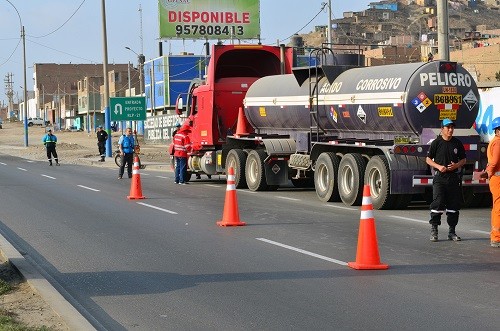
point(452, 235)
point(434, 233)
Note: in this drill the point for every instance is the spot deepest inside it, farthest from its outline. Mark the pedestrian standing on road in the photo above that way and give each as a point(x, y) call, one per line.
point(50, 141)
point(446, 156)
point(182, 146)
point(102, 136)
point(493, 173)
point(126, 143)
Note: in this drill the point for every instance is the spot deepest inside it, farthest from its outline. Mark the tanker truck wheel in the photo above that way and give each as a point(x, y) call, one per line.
point(236, 158)
point(325, 177)
point(255, 172)
point(377, 176)
point(351, 179)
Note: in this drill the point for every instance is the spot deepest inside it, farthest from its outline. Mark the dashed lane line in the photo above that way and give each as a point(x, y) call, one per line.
point(162, 177)
point(3, 163)
point(47, 176)
point(22, 169)
point(287, 198)
point(342, 207)
point(157, 208)
point(479, 231)
point(303, 251)
point(89, 188)
point(409, 219)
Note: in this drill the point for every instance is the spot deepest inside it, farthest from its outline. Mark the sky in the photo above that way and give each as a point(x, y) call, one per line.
point(70, 31)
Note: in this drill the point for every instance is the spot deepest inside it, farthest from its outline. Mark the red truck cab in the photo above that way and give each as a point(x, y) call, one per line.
point(214, 103)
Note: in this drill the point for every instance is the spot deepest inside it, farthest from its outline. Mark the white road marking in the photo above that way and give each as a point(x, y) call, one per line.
point(47, 176)
point(3, 163)
point(409, 219)
point(22, 169)
point(88, 188)
point(213, 185)
point(158, 208)
point(479, 231)
point(287, 198)
point(143, 174)
point(162, 177)
point(247, 191)
point(30, 161)
point(341, 207)
point(303, 251)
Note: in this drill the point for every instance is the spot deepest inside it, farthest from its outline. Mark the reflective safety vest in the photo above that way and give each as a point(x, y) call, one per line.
point(49, 140)
point(182, 145)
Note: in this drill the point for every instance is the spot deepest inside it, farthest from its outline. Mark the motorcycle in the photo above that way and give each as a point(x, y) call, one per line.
point(137, 152)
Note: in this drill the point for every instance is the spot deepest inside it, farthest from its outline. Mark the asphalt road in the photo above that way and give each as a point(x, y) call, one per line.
point(162, 263)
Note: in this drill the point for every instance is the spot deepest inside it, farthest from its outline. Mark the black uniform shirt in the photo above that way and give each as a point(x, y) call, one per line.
point(444, 152)
point(102, 136)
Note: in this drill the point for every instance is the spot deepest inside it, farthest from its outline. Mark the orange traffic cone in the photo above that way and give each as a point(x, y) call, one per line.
point(135, 185)
point(231, 215)
point(241, 125)
point(367, 256)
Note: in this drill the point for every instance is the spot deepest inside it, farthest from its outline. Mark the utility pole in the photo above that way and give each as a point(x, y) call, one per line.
point(443, 33)
point(329, 28)
point(107, 112)
point(9, 92)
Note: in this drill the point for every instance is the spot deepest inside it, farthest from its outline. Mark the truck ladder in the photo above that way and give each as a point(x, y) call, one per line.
point(315, 74)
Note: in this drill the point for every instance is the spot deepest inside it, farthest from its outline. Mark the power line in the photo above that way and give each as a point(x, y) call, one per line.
point(312, 19)
point(60, 27)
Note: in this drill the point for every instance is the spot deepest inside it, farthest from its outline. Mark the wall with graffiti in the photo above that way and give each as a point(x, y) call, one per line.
point(489, 108)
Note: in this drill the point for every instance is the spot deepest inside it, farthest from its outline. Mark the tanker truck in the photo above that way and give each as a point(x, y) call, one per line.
point(334, 125)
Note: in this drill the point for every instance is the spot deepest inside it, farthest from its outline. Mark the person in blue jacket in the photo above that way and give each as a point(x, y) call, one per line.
point(50, 141)
point(126, 144)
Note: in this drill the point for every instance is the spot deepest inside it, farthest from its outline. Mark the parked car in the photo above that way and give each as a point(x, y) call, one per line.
point(1, 123)
point(36, 121)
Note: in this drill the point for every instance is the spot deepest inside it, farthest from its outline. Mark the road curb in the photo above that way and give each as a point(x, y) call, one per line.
point(72, 317)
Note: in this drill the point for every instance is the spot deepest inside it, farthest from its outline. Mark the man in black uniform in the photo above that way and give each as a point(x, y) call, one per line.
point(446, 156)
point(102, 136)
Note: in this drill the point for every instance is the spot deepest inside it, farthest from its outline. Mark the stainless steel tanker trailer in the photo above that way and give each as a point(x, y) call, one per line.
point(334, 125)
point(342, 127)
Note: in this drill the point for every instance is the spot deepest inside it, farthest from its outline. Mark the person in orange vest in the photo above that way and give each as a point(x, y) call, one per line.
point(493, 173)
point(182, 146)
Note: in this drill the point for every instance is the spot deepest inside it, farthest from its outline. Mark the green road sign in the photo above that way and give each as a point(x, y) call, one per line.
point(128, 108)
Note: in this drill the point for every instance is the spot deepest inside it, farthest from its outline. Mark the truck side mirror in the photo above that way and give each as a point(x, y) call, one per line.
point(179, 106)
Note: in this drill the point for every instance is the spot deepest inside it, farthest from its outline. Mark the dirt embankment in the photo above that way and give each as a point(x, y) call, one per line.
point(72, 147)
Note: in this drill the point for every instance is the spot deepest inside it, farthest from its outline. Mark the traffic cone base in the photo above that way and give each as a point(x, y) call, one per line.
point(231, 215)
point(135, 184)
point(367, 255)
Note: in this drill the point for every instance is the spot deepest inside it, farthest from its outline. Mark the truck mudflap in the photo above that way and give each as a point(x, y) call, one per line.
point(276, 164)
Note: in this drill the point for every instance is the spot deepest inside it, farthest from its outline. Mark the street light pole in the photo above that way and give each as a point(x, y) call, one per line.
point(23, 37)
point(107, 113)
point(140, 59)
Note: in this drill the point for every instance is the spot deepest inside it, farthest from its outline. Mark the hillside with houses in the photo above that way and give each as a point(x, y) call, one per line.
point(406, 31)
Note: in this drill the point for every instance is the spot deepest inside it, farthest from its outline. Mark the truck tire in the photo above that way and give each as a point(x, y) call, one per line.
point(254, 170)
point(378, 177)
point(236, 158)
point(325, 177)
point(351, 178)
